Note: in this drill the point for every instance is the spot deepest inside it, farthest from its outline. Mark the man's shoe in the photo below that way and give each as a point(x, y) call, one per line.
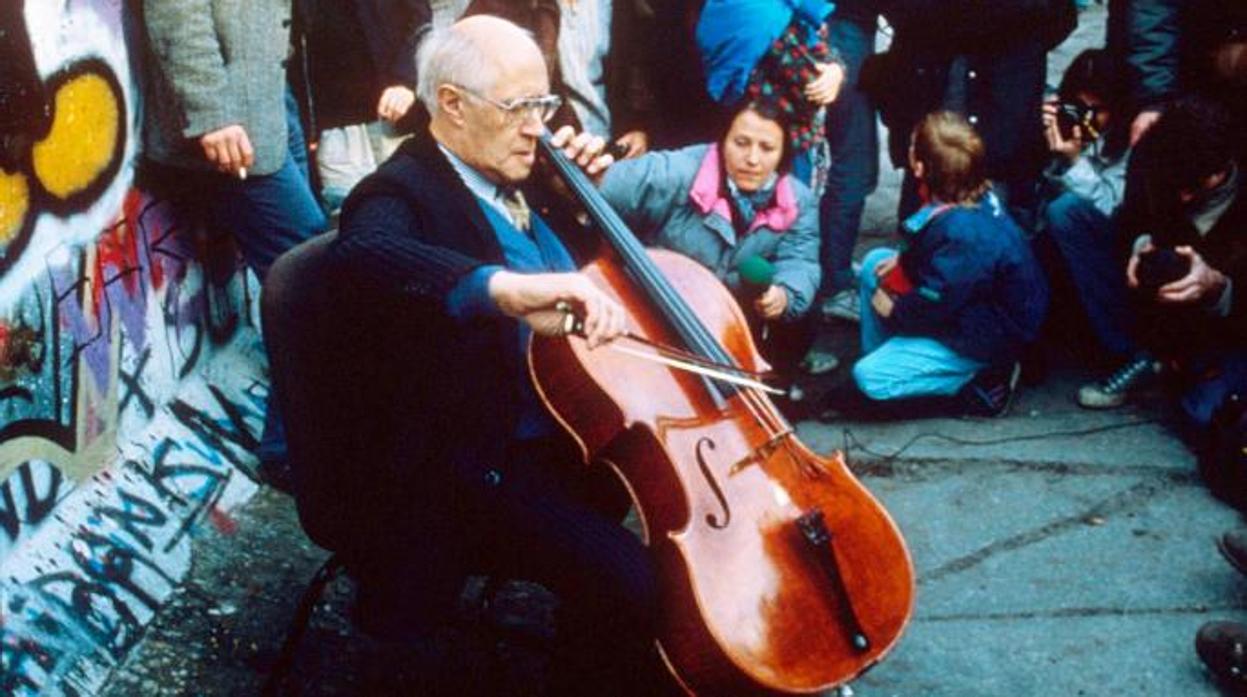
point(844, 305)
point(1222, 646)
point(991, 392)
point(1110, 393)
point(1233, 546)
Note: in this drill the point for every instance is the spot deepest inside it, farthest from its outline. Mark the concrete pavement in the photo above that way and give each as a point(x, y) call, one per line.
point(1059, 552)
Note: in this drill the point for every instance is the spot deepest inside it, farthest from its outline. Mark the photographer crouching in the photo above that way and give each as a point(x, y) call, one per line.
point(1084, 186)
point(1186, 211)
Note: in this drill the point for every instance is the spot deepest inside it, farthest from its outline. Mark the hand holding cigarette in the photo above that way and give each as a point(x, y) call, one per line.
point(229, 149)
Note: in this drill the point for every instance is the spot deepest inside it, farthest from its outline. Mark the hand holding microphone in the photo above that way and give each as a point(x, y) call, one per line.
point(757, 288)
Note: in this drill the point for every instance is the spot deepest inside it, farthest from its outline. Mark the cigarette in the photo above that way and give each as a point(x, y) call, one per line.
point(242, 173)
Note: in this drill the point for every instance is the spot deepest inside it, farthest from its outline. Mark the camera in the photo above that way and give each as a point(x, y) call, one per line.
point(1071, 113)
point(1159, 267)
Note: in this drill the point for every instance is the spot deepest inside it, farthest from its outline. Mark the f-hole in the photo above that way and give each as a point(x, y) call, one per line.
point(711, 519)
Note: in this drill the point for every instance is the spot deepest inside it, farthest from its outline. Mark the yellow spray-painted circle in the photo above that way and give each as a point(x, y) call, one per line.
point(83, 137)
point(14, 204)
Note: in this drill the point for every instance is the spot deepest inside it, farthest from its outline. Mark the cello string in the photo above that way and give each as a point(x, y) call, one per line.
point(762, 410)
point(637, 260)
point(691, 362)
point(655, 284)
point(751, 398)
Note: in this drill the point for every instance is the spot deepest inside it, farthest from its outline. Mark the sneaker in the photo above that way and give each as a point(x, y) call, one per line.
point(844, 305)
point(991, 392)
point(1222, 646)
point(1110, 393)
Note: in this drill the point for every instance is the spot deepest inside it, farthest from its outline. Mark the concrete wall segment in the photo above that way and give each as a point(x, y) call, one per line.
point(132, 377)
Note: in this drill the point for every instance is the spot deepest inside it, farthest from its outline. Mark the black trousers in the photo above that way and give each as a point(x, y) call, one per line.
point(541, 516)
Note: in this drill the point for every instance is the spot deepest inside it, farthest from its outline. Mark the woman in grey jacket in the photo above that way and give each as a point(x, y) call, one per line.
point(733, 207)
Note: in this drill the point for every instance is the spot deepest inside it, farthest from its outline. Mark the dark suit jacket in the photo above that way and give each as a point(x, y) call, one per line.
point(1177, 331)
point(1004, 44)
point(349, 51)
point(427, 403)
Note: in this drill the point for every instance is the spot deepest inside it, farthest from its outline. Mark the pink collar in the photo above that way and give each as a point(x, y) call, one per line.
point(706, 195)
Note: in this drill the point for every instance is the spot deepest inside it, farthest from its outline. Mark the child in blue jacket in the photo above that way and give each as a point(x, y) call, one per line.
point(948, 316)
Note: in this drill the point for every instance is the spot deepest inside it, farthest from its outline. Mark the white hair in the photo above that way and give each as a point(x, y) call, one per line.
point(447, 55)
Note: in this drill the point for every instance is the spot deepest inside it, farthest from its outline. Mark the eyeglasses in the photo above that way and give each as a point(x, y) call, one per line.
point(519, 108)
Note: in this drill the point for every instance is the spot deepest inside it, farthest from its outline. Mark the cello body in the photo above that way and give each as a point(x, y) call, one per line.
point(780, 573)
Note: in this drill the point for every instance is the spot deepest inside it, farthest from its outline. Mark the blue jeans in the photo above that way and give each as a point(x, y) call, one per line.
point(854, 141)
point(1086, 239)
point(268, 215)
point(898, 367)
point(272, 213)
point(1220, 374)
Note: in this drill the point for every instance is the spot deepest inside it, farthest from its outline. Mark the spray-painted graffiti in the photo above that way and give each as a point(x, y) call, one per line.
point(132, 383)
point(65, 121)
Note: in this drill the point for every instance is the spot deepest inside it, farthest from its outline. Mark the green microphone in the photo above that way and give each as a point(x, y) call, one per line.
point(756, 274)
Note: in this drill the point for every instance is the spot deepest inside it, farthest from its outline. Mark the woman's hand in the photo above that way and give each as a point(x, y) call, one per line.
point(1069, 148)
point(772, 303)
point(824, 89)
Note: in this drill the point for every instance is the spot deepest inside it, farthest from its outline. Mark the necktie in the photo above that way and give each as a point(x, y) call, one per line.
point(515, 204)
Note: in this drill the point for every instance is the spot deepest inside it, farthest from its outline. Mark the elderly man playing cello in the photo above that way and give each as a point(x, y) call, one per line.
point(460, 469)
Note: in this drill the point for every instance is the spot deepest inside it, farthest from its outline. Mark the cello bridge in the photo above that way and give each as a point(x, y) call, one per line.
point(760, 453)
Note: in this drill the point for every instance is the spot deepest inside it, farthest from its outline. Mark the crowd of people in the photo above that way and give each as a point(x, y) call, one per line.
point(742, 134)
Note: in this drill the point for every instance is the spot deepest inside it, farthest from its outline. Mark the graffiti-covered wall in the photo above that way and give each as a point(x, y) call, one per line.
point(132, 380)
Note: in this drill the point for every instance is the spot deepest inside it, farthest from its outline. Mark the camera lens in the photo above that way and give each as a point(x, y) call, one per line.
point(1069, 115)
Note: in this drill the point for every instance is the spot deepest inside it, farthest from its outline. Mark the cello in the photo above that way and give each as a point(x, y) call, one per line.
point(779, 572)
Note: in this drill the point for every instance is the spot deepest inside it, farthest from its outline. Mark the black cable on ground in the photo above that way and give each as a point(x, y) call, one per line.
point(851, 440)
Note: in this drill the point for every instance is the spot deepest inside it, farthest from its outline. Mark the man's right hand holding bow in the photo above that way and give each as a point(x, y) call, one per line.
point(535, 298)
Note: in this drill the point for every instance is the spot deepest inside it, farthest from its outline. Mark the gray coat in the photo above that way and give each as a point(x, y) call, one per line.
point(212, 63)
point(653, 194)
